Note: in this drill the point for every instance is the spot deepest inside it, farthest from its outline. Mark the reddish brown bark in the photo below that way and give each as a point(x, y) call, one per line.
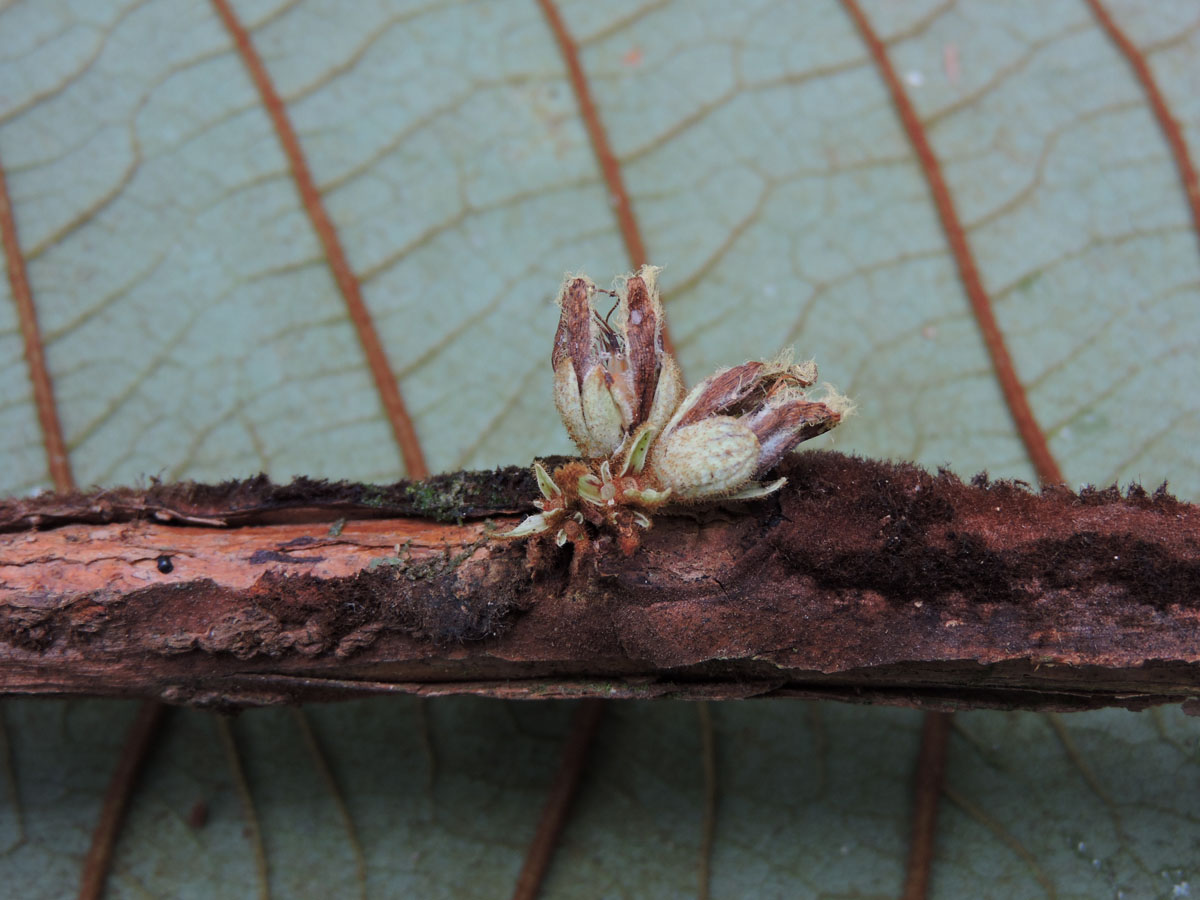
point(862, 581)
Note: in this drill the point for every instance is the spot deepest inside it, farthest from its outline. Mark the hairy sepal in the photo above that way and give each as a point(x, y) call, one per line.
point(713, 457)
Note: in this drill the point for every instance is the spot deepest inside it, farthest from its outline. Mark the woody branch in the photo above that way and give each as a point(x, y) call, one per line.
point(859, 580)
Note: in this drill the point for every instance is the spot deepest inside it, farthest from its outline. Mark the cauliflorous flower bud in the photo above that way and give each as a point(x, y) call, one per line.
point(612, 378)
point(737, 425)
point(621, 396)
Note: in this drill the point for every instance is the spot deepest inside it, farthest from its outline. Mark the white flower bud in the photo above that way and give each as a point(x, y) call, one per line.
point(601, 415)
point(609, 379)
point(712, 457)
point(645, 443)
point(737, 425)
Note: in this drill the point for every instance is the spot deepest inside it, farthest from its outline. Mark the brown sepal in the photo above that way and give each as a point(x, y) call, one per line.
point(724, 391)
point(643, 344)
point(782, 427)
point(574, 339)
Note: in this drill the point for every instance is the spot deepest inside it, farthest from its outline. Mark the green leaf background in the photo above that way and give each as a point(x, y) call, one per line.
point(193, 330)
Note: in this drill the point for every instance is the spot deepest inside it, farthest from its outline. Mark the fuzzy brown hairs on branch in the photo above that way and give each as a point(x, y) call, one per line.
point(860, 580)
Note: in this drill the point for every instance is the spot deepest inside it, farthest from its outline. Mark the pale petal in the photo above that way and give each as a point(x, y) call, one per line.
point(601, 416)
point(532, 525)
point(756, 489)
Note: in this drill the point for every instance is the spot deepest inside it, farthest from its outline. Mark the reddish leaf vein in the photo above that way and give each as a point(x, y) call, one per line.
point(141, 737)
point(145, 728)
point(385, 380)
point(610, 166)
point(1170, 127)
point(1027, 425)
point(541, 848)
point(931, 762)
point(558, 802)
point(43, 390)
point(931, 771)
point(252, 830)
point(604, 155)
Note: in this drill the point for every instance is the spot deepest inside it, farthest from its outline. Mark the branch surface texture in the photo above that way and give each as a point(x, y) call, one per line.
point(860, 580)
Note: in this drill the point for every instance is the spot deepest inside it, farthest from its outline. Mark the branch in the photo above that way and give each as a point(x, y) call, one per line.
point(862, 580)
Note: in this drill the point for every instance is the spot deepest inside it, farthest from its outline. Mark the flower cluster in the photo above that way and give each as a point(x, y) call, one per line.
point(645, 443)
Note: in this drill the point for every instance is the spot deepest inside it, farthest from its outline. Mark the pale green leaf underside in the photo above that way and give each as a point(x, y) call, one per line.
point(813, 802)
point(193, 330)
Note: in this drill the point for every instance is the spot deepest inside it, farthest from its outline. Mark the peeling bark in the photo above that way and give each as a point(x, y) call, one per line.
point(861, 580)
